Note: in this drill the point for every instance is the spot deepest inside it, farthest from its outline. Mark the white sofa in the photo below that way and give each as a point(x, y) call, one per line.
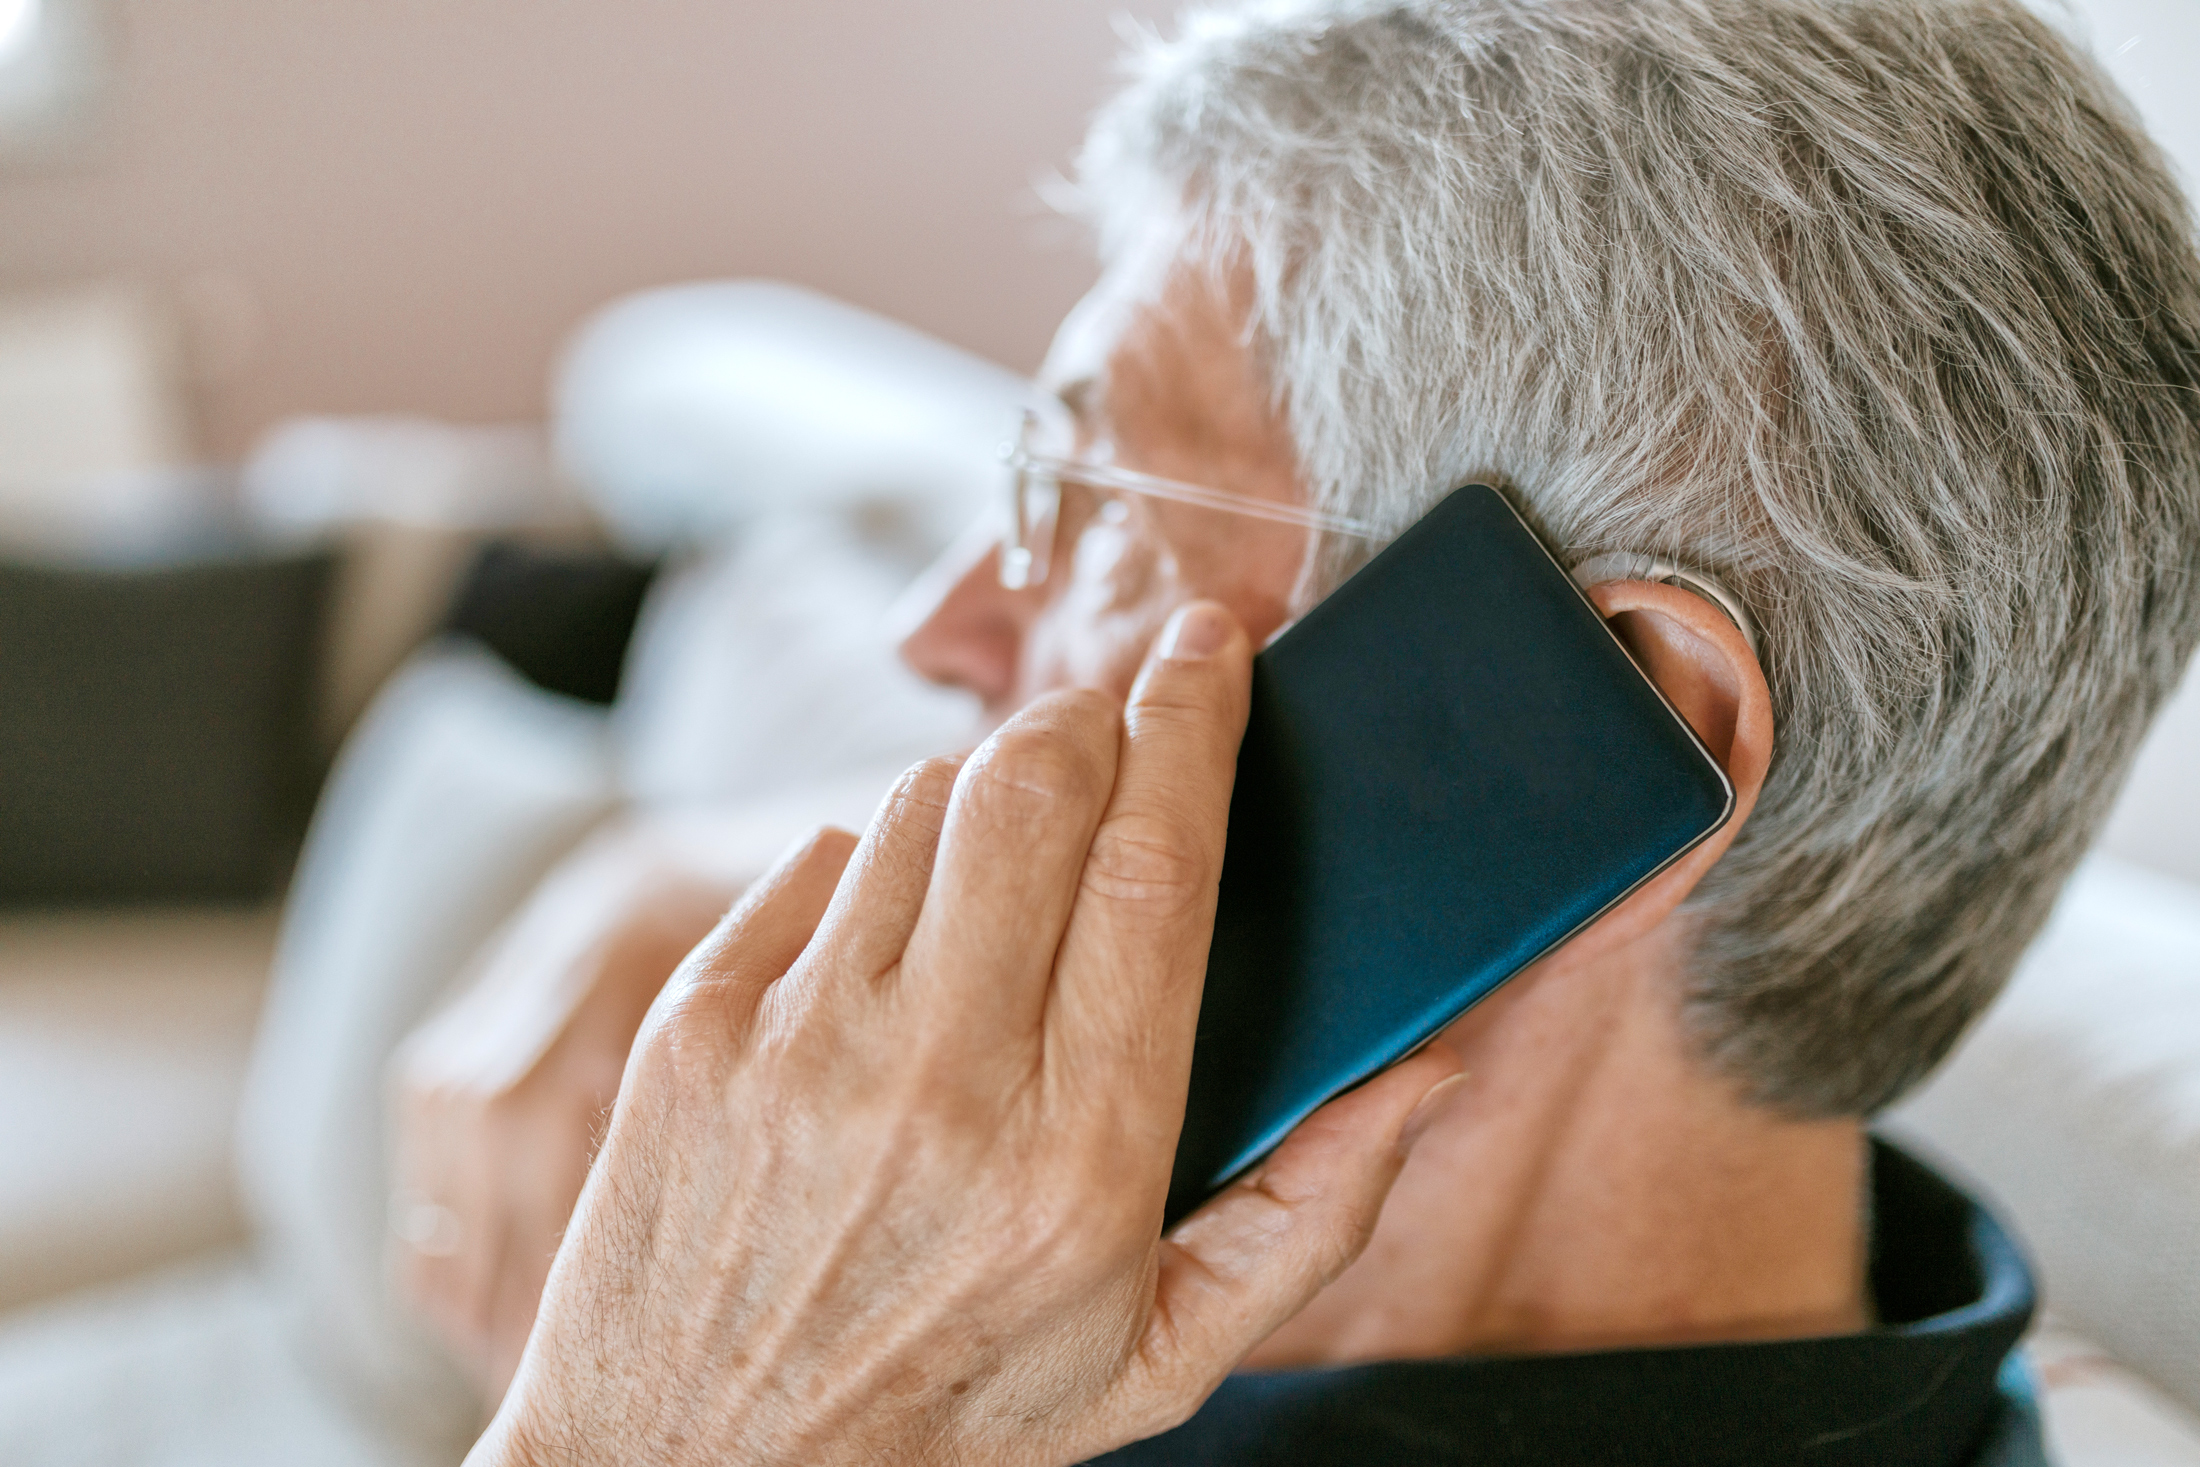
point(822, 452)
point(2075, 1106)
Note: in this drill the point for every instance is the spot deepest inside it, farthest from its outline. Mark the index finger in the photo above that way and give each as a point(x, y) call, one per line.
point(1125, 1002)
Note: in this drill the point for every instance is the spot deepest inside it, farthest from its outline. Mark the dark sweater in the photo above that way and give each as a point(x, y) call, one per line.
point(1935, 1383)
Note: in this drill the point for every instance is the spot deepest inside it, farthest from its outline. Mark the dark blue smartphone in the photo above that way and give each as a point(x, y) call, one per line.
point(1450, 767)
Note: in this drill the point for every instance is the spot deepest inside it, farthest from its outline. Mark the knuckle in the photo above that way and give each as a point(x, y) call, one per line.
point(1331, 1255)
point(926, 785)
point(1170, 705)
point(1150, 862)
point(1028, 772)
point(1340, 1246)
point(821, 842)
point(683, 1044)
point(1179, 705)
point(1337, 1229)
point(907, 827)
point(918, 802)
point(1076, 708)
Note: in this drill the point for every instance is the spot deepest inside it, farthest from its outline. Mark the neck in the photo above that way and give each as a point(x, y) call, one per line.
point(1591, 1187)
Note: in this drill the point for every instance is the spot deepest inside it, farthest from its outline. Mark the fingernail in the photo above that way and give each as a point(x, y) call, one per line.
point(1432, 1103)
point(1197, 631)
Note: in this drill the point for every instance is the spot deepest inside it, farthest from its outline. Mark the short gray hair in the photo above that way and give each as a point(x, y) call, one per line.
point(1884, 311)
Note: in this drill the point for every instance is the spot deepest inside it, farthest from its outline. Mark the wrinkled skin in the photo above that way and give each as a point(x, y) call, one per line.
point(886, 1175)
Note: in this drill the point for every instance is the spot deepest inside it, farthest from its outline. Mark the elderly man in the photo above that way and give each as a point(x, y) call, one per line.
point(1881, 312)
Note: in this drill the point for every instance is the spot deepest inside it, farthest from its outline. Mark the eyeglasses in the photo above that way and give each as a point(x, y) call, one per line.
point(1034, 486)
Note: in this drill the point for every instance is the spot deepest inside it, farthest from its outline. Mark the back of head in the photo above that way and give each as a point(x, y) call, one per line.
point(1884, 311)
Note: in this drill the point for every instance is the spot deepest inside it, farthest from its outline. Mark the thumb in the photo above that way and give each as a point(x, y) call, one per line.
point(1234, 1271)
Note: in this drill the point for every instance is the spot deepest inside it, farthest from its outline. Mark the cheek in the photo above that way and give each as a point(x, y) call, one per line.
point(1254, 573)
point(1251, 566)
point(1119, 591)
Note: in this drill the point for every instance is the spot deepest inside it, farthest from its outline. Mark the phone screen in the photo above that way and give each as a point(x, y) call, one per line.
point(1451, 766)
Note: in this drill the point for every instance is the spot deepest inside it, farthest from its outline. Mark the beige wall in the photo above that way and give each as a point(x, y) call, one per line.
point(405, 204)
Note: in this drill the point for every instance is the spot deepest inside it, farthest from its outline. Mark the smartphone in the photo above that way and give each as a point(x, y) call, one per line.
point(1450, 767)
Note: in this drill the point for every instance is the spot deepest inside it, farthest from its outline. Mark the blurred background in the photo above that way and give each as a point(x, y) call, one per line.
point(379, 370)
point(406, 206)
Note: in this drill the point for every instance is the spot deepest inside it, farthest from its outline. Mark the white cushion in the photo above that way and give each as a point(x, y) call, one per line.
point(687, 411)
point(766, 666)
point(123, 1038)
point(459, 790)
point(193, 1368)
point(2097, 1413)
point(2076, 1103)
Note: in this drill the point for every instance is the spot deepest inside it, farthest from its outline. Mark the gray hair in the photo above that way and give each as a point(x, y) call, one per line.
point(1884, 311)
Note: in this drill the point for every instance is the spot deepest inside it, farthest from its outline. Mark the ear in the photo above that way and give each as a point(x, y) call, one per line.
point(1702, 664)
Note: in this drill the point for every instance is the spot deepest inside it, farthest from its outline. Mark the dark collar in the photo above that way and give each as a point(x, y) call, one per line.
point(1918, 1390)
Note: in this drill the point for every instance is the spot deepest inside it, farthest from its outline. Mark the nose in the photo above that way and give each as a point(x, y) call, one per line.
point(960, 626)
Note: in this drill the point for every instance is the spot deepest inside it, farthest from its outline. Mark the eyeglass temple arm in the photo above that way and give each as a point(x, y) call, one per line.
point(1102, 476)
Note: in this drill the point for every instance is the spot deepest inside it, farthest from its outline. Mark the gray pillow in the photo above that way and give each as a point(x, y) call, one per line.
point(156, 724)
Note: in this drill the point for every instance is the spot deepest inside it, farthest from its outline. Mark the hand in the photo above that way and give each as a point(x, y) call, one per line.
point(886, 1174)
point(502, 1098)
